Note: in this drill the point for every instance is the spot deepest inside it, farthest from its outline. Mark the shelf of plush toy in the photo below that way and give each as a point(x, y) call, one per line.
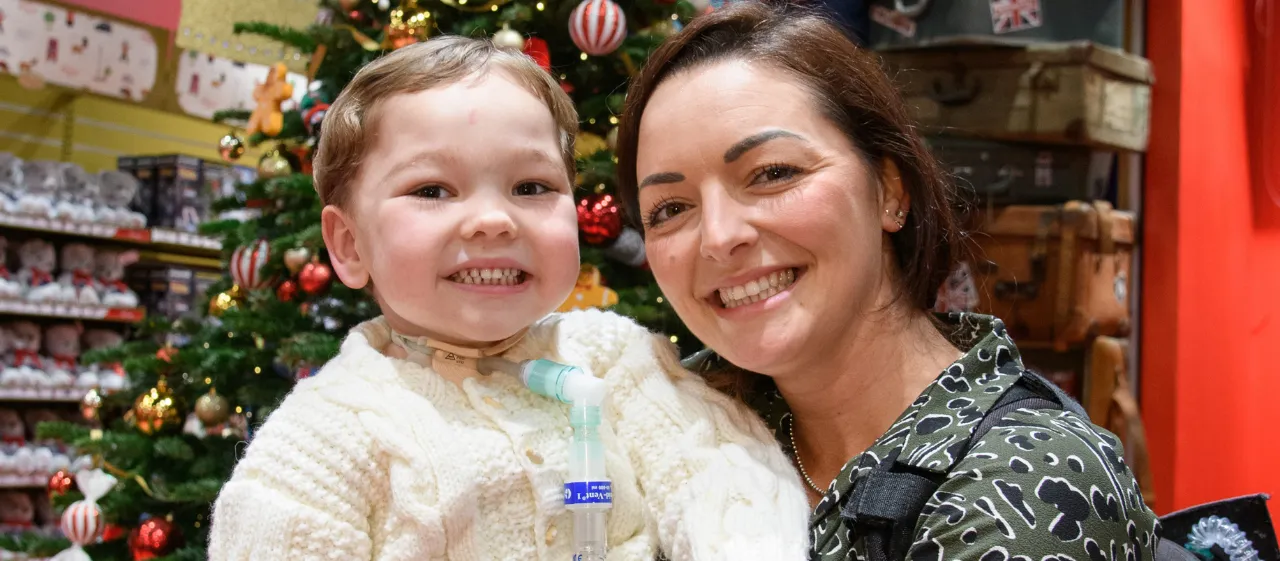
point(42, 395)
point(161, 238)
point(67, 310)
point(24, 481)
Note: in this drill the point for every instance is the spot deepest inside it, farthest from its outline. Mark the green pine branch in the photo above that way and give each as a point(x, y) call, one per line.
point(231, 115)
point(302, 40)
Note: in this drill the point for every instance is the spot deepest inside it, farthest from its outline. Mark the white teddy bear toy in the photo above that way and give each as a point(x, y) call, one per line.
point(110, 377)
point(26, 372)
point(41, 181)
point(38, 260)
point(77, 280)
point(9, 285)
point(110, 271)
point(63, 344)
point(11, 186)
point(78, 195)
point(117, 193)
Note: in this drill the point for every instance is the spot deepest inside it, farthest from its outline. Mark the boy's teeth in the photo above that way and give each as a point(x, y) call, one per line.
point(757, 290)
point(490, 276)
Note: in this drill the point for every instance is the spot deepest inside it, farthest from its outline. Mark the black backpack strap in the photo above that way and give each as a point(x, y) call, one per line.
point(885, 504)
point(883, 508)
point(1031, 391)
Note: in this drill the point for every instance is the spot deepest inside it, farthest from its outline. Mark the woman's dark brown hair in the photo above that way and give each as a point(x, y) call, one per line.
point(848, 86)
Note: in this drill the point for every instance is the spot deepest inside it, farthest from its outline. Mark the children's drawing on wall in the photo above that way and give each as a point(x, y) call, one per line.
point(208, 83)
point(76, 50)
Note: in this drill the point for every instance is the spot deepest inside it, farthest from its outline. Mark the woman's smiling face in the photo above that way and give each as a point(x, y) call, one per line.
point(764, 224)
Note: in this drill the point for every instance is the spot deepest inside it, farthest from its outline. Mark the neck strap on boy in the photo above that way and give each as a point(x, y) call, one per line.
point(451, 359)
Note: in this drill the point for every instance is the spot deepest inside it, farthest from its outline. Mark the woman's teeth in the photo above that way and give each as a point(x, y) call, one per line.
point(757, 290)
point(504, 277)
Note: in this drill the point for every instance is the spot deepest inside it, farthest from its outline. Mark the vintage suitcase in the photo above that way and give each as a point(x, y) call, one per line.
point(1111, 403)
point(1056, 275)
point(1061, 93)
point(1006, 173)
point(919, 23)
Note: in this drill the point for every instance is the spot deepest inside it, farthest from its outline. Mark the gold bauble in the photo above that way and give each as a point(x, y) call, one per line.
point(230, 147)
point(213, 409)
point(409, 24)
point(664, 28)
point(587, 144)
point(507, 38)
point(612, 139)
point(155, 410)
point(89, 405)
point(274, 164)
point(224, 301)
point(295, 258)
point(475, 5)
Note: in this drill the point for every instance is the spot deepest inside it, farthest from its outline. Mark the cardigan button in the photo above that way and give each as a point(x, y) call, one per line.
point(534, 457)
point(551, 534)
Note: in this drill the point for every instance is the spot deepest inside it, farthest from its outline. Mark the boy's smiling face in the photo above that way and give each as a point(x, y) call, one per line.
point(462, 215)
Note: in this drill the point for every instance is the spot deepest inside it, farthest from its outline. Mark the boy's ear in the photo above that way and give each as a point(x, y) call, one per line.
point(340, 233)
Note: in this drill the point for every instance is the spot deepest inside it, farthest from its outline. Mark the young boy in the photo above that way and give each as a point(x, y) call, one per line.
point(446, 170)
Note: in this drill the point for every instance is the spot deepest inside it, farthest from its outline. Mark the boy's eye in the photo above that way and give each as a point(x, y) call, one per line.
point(529, 188)
point(431, 192)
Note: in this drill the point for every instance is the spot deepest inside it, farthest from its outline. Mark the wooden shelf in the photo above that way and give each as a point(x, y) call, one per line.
point(66, 310)
point(42, 395)
point(157, 238)
point(15, 481)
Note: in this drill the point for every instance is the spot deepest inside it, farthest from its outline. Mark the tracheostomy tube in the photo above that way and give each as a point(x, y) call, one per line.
point(588, 493)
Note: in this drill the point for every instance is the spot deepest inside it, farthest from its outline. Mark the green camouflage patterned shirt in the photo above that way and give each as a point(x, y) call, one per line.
point(1041, 485)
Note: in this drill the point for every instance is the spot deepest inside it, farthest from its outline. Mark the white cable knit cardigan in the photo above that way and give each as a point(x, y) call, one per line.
point(383, 459)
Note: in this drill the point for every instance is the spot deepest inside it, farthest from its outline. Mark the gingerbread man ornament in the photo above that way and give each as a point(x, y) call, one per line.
point(267, 117)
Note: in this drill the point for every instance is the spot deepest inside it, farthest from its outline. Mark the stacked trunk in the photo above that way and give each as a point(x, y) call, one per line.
point(1029, 104)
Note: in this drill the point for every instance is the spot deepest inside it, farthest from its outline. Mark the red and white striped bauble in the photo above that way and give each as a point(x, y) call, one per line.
point(246, 265)
point(82, 522)
point(597, 27)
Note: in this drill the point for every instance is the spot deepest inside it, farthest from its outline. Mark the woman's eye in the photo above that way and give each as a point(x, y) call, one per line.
point(432, 192)
point(775, 172)
point(664, 211)
point(529, 189)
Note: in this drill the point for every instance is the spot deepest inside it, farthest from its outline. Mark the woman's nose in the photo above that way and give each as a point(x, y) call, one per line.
point(725, 227)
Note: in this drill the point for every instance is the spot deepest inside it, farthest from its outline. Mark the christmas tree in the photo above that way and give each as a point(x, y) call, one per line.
point(199, 386)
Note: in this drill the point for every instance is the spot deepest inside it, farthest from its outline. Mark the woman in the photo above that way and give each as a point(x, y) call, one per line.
point(798, 225)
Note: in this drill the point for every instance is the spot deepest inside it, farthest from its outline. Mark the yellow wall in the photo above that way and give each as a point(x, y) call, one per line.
point(57, 124)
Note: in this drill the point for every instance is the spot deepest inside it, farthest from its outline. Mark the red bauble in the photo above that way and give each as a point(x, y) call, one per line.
point(537, 50)
point(314, 277)
point(153, 538)
point(287, 290)
point(599, 218)
point(166, 353)
point(60, 483)
point(112, 532)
